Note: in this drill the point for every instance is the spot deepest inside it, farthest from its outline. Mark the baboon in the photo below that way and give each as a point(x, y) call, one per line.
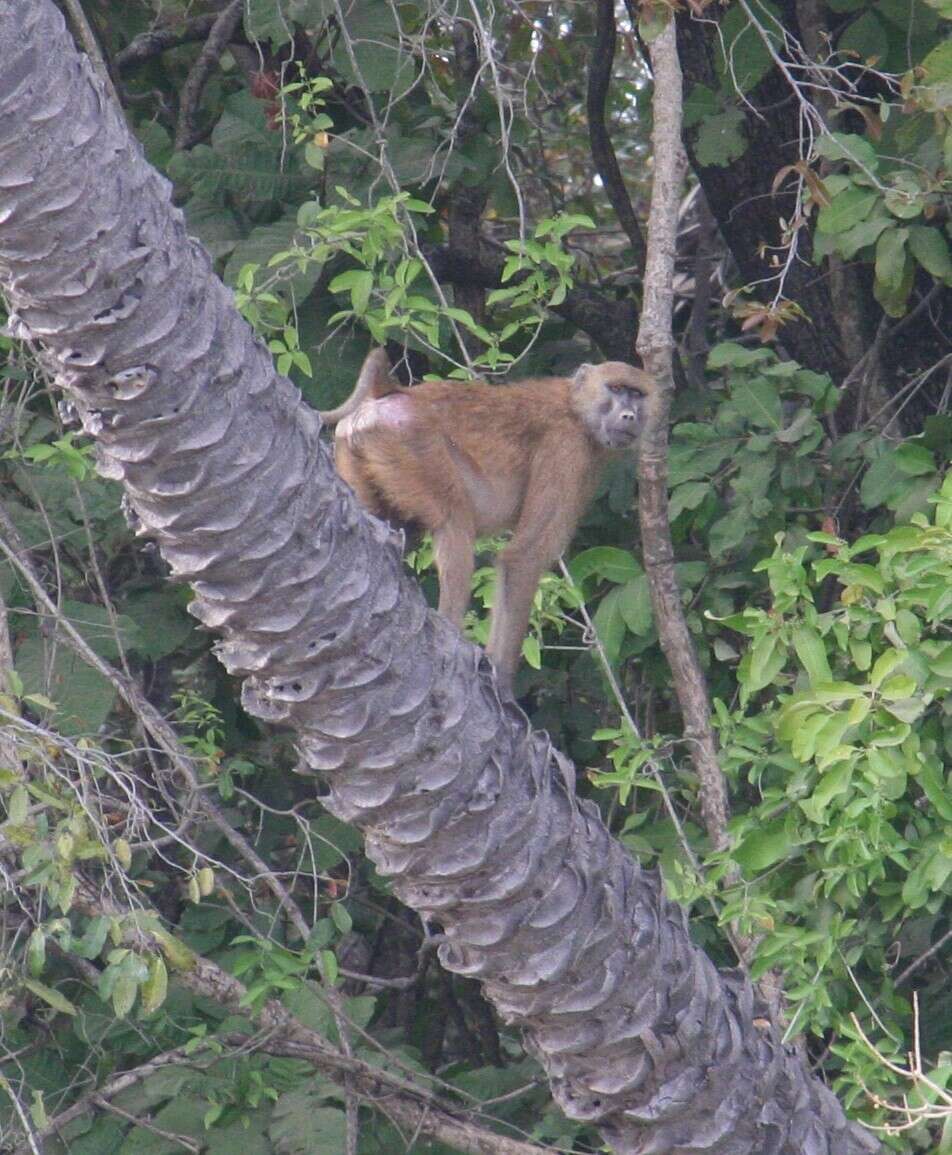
point(464, 459)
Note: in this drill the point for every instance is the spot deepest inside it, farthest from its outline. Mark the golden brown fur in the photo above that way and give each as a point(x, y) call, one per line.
point(467, 459)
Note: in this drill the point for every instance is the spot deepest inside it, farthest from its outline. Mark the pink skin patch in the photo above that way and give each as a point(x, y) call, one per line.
point(394, 411)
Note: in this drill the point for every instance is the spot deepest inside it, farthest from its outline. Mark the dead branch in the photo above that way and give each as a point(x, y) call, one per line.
point(655, 344)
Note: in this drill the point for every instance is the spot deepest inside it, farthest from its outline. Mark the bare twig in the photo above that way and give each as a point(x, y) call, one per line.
point(655, 344)
point(147, 1125)
point(705, 258)
point(924, 958)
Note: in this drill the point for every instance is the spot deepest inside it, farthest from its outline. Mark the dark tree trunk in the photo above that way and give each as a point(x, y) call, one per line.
point(739, 195)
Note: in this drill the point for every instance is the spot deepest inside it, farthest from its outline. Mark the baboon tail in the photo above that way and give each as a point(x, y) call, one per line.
point(374, 381)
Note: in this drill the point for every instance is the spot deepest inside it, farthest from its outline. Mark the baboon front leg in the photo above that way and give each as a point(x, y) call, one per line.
point(516, 581)
point(453, 545)
point(554, 500)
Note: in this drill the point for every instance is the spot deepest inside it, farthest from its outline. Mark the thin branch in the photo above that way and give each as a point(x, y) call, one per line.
point(147, 1125)
point(924, 958)
point(705, 259)
point(603, 152)
point(655, 344)
point(161, 731)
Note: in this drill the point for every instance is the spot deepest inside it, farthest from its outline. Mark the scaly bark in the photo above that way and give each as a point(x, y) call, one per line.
point(472, 815)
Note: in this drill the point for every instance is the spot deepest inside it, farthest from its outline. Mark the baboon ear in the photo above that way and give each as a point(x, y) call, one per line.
point(581, 373)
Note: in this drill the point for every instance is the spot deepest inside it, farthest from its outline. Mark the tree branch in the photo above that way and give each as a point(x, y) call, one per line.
point(222, 30)
point(158, 40)
point(603, 152)
point(656, 344)
point(748, 210)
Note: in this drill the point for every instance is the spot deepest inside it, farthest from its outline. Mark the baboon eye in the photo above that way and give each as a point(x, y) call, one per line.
point(616, 387)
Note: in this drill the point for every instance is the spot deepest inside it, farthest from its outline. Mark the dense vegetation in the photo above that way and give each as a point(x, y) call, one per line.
point(470, 187)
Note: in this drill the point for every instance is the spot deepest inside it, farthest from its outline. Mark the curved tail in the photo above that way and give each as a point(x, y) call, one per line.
point(373, 381)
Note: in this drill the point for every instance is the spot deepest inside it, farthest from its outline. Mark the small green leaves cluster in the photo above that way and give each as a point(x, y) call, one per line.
point(546, 265)
point(58, 453)
point(761, 440)
point(875, 209)
point(302, 105)
point(387, 288)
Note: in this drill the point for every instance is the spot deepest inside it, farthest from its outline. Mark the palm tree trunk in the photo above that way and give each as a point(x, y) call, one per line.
point(472, 815)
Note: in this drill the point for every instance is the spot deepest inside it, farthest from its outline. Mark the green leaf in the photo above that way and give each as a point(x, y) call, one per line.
point(866, 37)
point(700, 104)
point(744, 59)
point(812, 654)
point(931, 250)
point(634, 604)
point(57, 1001)
point(36, 952)
point(124, 991)
point(899, 687)
point(155, 988)
point(720, 139)
point(846, 209)
point(914, 459)
point(610, 625)
point(767, 658)
point(18, 806)
point(728, 533)
point(834, 782)
point(162, 623)
point(891, 257)
point(884, 666)
point(329, 966)
point(341, 917)
point(615, 565)
point(932, 779)
point(850, 147)
point(299, 1127)
point(861, 235)
point(764, 846)
point(687, 496)
point(729, 354)
point(881, 481)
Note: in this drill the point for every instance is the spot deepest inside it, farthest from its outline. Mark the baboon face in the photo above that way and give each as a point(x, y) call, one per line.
point(610, 400)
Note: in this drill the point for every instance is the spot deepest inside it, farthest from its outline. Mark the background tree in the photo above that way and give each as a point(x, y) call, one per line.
point(829, 674)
